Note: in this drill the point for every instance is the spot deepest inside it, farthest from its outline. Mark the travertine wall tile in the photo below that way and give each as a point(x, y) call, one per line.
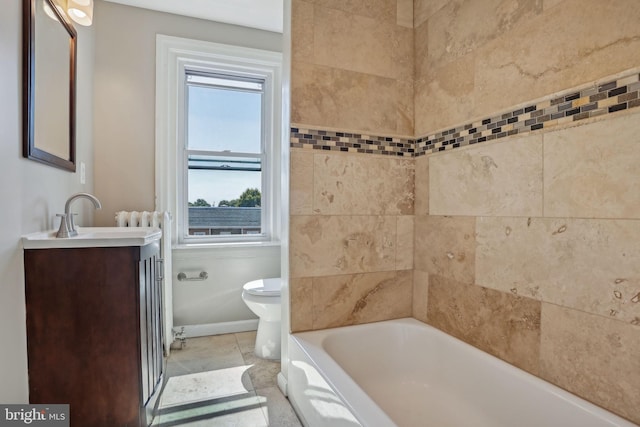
point(586, 177)
point(404, 247)
point(329, 245)
point(597, 39)
point(339, 42)
point(446, 246)
point(420, 295)
point(404, 13)
point(352, 69)
point(421, 52)
point(361, 298)
point(404, 114)
point(424, 9)
point(589, 265)
point(352, 65)
point(382, 10)
point(502, 324)
point(402, 54)
point(342, 99)
point(301, 303)
point(362, 185)
point(503, 179)
point(593, 357)
point(301, 183)
point(516, 58)
point(445, 95)
point(452, 33)
point(302, 30)
point(421, 205)
point(548, 4)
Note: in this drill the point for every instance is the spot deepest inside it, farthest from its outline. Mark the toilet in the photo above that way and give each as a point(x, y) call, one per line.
point(263, 298)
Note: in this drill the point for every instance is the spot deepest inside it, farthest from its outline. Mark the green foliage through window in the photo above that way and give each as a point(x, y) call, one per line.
point(200, 203)
point(248, 199)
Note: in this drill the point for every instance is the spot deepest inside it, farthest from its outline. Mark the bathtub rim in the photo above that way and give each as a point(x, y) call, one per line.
point(367, 411)
point(362, 407)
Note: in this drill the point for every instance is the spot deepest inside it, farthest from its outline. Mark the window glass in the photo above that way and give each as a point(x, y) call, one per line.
point(224, 119)
point(224, 156)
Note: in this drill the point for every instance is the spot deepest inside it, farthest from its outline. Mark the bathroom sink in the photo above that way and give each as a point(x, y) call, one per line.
point(93, 237)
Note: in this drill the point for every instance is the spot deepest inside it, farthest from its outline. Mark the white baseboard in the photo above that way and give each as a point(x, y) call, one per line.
point(192, 331)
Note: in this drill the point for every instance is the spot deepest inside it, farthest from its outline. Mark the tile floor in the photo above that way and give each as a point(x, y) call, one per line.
point(218, 381)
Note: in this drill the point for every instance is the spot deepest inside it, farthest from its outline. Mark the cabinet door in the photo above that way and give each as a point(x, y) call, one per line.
point(82, 333)
point(151, 340)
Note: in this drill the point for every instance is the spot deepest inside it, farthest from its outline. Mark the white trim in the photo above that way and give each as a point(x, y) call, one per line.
point(282, 383)
point(192, 331)
point(284, 197)
point(173, 56)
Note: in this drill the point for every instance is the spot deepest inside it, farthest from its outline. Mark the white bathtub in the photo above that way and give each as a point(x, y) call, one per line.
point(406, 373)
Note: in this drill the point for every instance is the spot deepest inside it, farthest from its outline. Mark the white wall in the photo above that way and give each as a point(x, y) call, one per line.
point(218, 299)
point(30, 193)
point(125, 145)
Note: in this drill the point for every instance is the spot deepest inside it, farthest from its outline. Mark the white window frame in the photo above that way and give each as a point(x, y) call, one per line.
point(174, 56)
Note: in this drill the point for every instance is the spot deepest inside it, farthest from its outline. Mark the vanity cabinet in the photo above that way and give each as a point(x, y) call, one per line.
point(94, 332)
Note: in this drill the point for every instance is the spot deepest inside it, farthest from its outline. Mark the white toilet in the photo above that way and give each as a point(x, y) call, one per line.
point(263, 298)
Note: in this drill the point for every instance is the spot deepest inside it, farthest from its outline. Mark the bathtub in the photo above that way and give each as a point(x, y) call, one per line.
point(406, 373)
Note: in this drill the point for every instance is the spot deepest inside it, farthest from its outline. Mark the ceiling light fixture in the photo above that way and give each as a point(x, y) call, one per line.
point(81, 11)
point(50, 13)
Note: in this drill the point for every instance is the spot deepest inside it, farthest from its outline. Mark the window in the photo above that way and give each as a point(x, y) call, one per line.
point(217, 153)
point(224, 155)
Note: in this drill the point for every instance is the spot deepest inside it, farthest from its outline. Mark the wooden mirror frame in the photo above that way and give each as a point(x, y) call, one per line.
point(29, 148)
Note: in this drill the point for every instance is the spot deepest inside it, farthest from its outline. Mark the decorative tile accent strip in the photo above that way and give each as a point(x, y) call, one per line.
point(351, 142)
point(615, 95)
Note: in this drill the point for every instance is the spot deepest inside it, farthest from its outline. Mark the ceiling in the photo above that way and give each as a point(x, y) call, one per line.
point(261, 14)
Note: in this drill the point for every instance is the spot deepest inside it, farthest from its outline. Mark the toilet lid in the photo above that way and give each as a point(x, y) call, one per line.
point(264, 287)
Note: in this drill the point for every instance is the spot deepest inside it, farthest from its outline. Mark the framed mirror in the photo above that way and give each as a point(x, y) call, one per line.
point(49, 84)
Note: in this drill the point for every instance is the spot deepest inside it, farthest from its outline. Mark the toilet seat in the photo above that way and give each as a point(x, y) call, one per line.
point(264, 287)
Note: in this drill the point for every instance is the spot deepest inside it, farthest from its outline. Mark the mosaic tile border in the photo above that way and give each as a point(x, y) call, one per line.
point(351, 142)
point(572, 105)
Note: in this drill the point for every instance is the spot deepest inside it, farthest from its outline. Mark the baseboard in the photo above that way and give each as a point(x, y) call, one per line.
point(192, 331)
point(282, 383)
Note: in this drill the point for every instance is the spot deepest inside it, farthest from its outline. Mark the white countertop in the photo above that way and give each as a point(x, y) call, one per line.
point(93, 237)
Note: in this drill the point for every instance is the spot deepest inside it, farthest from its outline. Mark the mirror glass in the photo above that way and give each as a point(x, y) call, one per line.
point(50, 85)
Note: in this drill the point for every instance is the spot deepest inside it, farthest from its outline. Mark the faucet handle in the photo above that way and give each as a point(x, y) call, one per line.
point(63, 231)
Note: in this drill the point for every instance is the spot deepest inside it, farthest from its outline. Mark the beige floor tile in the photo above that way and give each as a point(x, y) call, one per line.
point(238, 410)
point(205, 386)
point(277, 409)
point(263, 373)
point(246, 341)
point(212, 381)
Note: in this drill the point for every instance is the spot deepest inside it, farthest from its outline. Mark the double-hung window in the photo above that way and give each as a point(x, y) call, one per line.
point(224, 155)
point(217, 156)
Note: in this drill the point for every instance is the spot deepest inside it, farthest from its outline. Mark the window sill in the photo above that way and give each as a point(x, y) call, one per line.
point(225, 245)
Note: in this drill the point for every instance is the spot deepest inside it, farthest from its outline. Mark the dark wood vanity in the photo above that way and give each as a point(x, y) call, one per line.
point(94, 332)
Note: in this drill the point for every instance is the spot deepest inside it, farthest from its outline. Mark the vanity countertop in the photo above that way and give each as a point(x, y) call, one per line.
point(93, 237)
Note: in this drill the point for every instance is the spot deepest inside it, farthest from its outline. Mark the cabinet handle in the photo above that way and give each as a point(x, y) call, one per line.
point(202, 276)
point(160, 269)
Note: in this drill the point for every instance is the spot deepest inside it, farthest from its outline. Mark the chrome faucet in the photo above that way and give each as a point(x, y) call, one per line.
point(67, 226)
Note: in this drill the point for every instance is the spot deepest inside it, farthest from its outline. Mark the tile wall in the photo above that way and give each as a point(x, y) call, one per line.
point(352, 65)
point(474, 58)
point(351, 225)
point(527, 244)
point(524, 243)
point(351, 238)
point(530, 252)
